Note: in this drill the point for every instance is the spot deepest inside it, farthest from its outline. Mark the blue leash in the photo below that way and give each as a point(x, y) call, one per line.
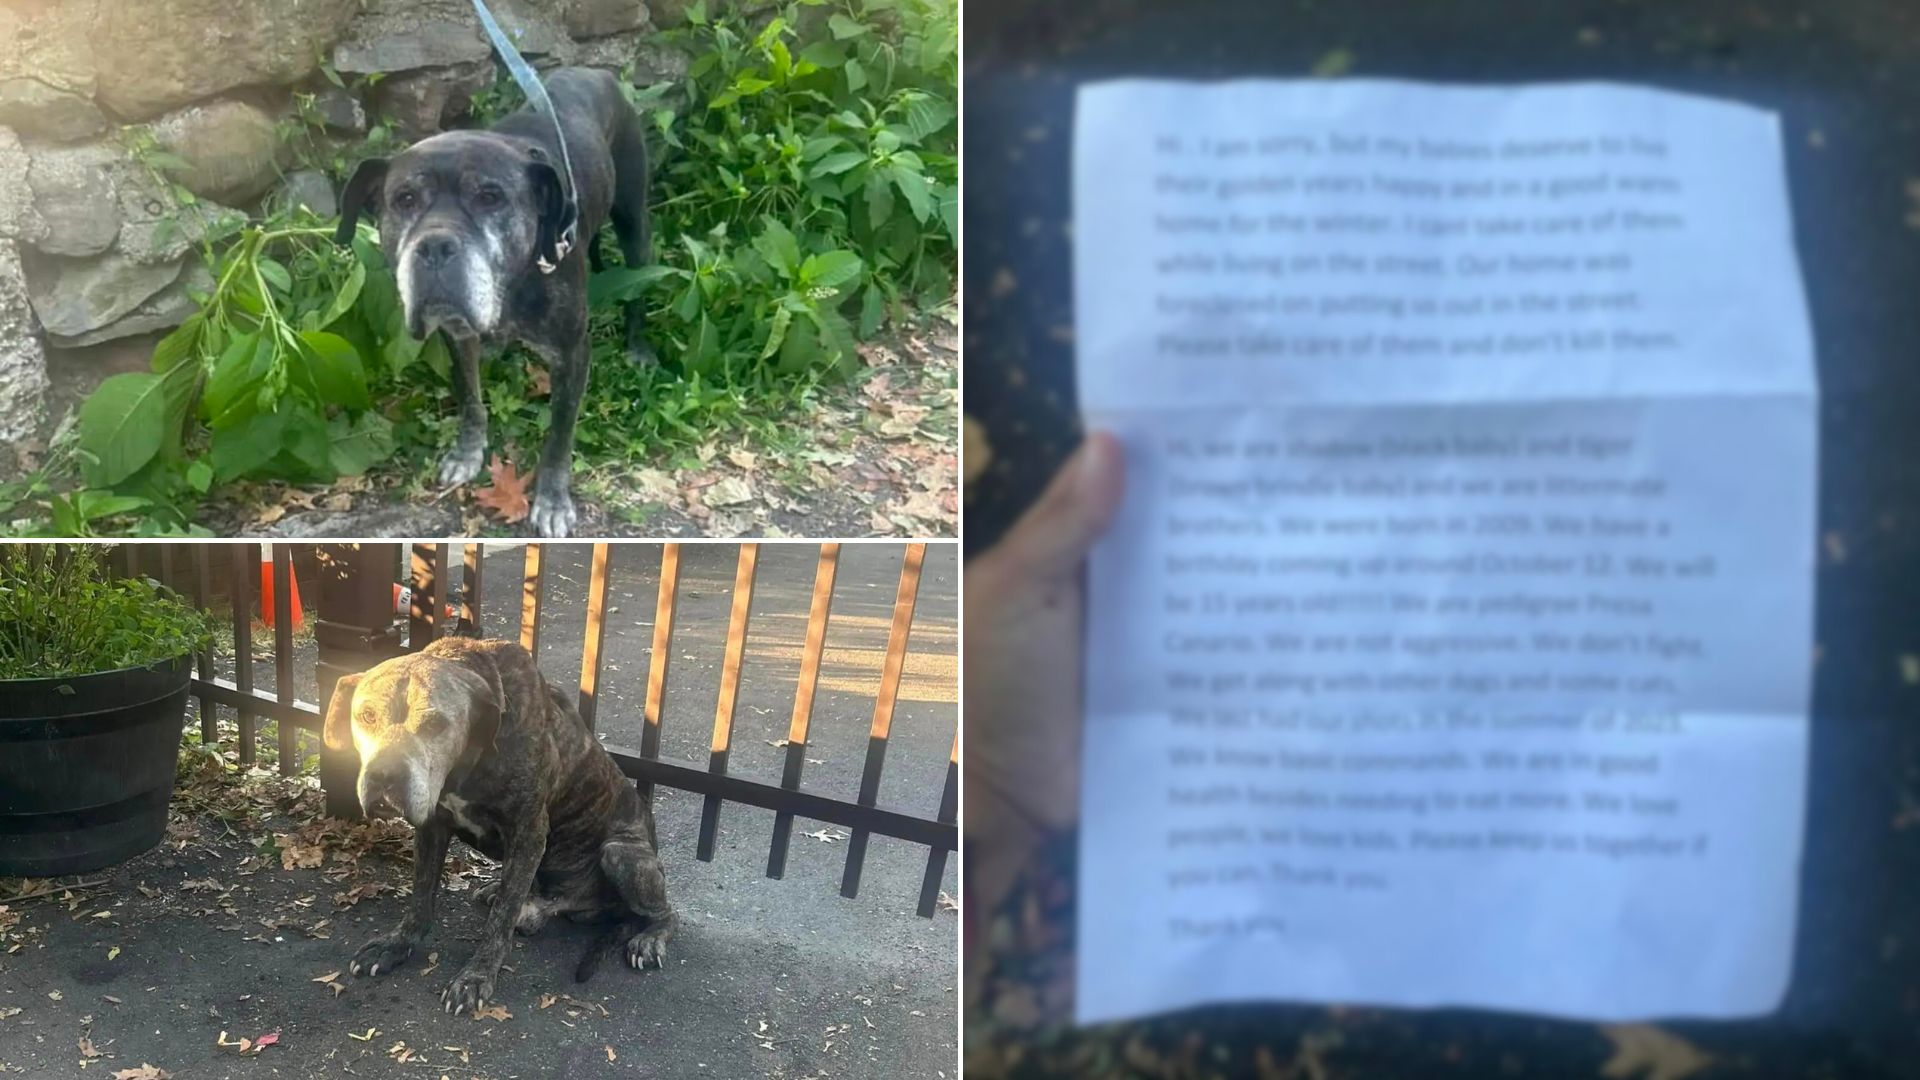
point(530, 84)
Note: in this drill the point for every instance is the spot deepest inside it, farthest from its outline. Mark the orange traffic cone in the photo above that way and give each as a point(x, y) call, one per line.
point(267, 606)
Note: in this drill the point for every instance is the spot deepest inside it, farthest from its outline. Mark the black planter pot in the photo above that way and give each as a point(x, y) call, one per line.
point(87, 766)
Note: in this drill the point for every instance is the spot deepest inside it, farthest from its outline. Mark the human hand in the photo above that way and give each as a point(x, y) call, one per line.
point(1024, 615)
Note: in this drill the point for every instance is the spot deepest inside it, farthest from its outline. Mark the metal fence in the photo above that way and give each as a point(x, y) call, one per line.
point(355, 627)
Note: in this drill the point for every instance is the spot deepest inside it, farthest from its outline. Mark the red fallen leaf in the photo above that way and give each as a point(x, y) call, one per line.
point(268, 1039)
point(539, 379)
point(507, 496)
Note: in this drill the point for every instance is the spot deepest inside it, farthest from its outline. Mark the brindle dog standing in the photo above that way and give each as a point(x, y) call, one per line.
point(465, 738)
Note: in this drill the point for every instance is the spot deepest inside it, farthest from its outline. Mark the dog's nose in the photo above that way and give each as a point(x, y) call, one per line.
point(436, 250)
point(381, 792)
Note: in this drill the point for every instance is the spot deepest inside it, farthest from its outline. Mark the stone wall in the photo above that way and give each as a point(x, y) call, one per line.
point(83, 256)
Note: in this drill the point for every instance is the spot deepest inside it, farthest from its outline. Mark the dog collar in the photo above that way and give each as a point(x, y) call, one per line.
point(560, 249)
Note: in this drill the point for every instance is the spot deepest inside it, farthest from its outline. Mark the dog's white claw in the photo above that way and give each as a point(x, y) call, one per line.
point(373, 972)
point(354, 967)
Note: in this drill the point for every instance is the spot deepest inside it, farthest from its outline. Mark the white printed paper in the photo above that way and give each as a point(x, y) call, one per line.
point(1452, 646)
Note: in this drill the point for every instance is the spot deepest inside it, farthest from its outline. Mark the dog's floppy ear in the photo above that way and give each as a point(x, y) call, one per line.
point(363, 193)
point(554, 213)
point(338, 729)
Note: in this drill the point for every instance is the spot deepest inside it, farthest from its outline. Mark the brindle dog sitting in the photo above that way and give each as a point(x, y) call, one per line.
point(465, 738)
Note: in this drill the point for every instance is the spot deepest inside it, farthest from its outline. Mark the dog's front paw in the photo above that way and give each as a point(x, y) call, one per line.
point(469, 991)
point(641, 355)
point(381, 954)
point(648, 948)
point(463, 462)
point(553, 514)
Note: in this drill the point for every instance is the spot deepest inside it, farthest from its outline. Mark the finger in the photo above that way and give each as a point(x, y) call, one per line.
point(1053, 537)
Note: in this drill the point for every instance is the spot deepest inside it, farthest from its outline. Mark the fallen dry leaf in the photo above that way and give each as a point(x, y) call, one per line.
point(492, 1012)
point(507, 496)
point(728, 491)
point(113, 953)
point(904, 421)
point(88, 1051)
point(294, 854)
point(539, 380)
point(609, 1049)
point(144, 1072)
point(746, 459)
point(924, 506)
point(655, 486)
point(239, 1046)
point(1650, 1053)
point(826, 836)
point(547, 1000)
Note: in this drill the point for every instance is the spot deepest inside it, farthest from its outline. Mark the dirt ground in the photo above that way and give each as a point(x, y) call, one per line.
point(223, 933)
point(877, 456)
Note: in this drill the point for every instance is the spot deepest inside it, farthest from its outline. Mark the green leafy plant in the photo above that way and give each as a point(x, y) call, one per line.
point(847, 143)
point(272, 377)
point(61, 615)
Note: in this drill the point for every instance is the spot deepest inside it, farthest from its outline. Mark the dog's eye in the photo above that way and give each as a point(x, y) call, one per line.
point(405, 200)
point(488, 198)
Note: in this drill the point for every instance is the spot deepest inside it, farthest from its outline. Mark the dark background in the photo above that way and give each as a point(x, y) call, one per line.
point(1845, 78)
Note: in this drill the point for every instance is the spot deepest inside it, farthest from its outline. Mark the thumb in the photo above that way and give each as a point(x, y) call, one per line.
point(1053, 537)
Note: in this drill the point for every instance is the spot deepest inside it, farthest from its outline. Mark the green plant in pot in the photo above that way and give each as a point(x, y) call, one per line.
point(93, 690)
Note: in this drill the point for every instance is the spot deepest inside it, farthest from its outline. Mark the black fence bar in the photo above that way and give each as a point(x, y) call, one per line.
point(818, 613)
point(937, 855)
point(896, 662)
point(532, 591)
point(424, 608)
point(594, 652)
point(804, 804)
point(662, 649)
point(283, 654)
point(729, 692)
point(292, 714)
point(202, 589)
point(470, 592)
point(443, 592)
point(246, 570)
point(354, 628)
